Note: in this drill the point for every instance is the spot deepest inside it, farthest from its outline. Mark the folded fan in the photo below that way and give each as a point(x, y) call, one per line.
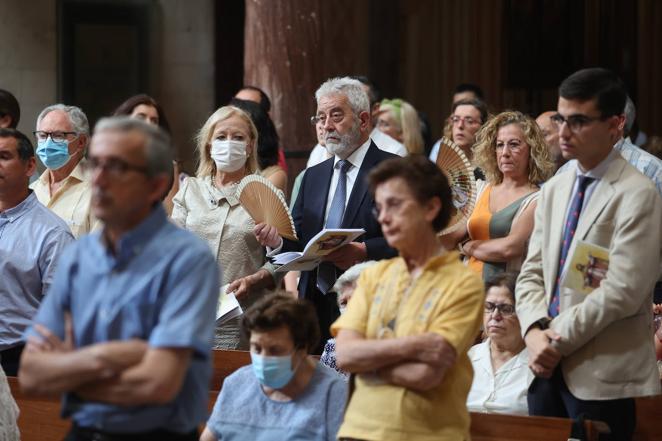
point(265, 203)
point(454, 164)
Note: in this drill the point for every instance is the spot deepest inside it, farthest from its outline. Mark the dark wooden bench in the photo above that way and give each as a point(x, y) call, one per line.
point(39, 419)
point(40, 416)
point(496, 427)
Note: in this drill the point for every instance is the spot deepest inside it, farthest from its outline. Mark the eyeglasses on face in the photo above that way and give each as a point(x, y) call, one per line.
point(335, 116)
point(114, 167)
point(505, 309)
point(575, 122)
point(514, 147)
point(467, 120)
point(55, 136)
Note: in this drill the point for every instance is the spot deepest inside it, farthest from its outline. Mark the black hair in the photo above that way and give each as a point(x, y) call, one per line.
point(469, 87)
point(597, 83)
point(23, 144)
point(265, 102)
point(477, 103)
point(267, 137)
point(126, 109)
point(9, 106)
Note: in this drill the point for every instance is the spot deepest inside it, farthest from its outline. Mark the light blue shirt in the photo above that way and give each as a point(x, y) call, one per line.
point(161, 286)
point(647, 164)
point(243, 412)
point(32, 237)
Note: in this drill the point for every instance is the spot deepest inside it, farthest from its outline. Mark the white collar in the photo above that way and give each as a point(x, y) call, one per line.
point(357, 156)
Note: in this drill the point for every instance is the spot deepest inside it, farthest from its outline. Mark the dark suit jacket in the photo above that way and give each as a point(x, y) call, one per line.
point(310, 206)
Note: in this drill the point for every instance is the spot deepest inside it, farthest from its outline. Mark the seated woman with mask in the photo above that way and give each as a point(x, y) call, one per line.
point(501, 374)
point(284, 394)
point(209, 206)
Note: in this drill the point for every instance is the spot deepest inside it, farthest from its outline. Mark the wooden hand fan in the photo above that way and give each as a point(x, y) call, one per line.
point(265, 203)
point(454, 164)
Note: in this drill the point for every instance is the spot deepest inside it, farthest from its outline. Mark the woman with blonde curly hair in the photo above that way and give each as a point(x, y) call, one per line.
point(511, 151)
point(398, 119)
point(209, 206)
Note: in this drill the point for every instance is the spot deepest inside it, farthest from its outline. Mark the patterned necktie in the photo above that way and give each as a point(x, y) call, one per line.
point(568, 235)
point(326, 272)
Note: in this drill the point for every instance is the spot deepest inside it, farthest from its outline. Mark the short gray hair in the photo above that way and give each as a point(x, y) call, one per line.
point(630, 112)
point(76, 116)
point(351, 274)
point(158, 148)
point(351, 88)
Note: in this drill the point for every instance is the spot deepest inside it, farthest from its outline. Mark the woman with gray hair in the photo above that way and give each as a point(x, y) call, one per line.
point(209, 206)
point(344, 287)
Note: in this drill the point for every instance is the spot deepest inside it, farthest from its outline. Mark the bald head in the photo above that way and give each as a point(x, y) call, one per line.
point(551, 134)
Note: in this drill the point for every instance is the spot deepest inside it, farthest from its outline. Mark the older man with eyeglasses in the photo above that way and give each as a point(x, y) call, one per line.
point(125, 331)
point(334, 194)
point(62, 137)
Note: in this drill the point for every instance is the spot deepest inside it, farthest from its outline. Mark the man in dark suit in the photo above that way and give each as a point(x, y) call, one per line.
point(334, 194)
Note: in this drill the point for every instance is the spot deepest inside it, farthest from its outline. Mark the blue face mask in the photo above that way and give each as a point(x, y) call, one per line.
point(53, 154)
point(271, 371)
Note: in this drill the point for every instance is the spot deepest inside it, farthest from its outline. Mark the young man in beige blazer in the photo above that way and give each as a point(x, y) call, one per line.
point(592, 353)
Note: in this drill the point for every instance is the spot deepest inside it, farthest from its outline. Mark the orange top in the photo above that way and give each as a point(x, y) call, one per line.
point(478, 226)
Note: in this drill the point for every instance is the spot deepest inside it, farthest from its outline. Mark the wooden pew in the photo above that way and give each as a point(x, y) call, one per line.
point(649, 419)
point(226, 362)
point(39, 419)
point(496, 427)
point(40, 416)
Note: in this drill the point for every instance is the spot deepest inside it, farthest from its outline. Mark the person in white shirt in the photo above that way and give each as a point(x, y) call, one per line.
point(501, 375)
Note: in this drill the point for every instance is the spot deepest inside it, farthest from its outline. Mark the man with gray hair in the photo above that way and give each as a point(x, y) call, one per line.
point(63, 134)
point(126, 329)
point(334, 194)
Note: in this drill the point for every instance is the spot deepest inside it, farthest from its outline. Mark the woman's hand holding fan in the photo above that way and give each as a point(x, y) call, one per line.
point(266, 205)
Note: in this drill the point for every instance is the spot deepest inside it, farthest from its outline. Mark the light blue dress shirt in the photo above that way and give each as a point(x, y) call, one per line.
point(649, 165)
point(32, 237)
point(243, 411)
point(161, 286)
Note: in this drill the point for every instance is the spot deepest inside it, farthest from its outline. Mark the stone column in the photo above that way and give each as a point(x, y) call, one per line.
point(291, 47)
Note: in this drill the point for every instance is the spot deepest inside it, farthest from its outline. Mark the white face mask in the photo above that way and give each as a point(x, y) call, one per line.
point(229, 155)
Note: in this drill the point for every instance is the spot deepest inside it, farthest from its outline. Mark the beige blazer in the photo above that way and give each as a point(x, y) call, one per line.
point(607, 335)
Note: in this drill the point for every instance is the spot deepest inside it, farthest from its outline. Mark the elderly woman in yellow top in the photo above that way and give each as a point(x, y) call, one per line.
point(407, 328)
point(209, 206)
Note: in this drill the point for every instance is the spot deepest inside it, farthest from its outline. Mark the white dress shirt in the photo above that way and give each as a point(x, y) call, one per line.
point(501, 392)
point(387, 143)
point(356, 159)
point(317, 155)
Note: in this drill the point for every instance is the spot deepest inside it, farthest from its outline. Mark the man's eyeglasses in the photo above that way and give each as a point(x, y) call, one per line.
point(575, 122)
point(113, 167)
point(55, 136)
point(335, 116)
point(505, 309)
point(469, 121)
